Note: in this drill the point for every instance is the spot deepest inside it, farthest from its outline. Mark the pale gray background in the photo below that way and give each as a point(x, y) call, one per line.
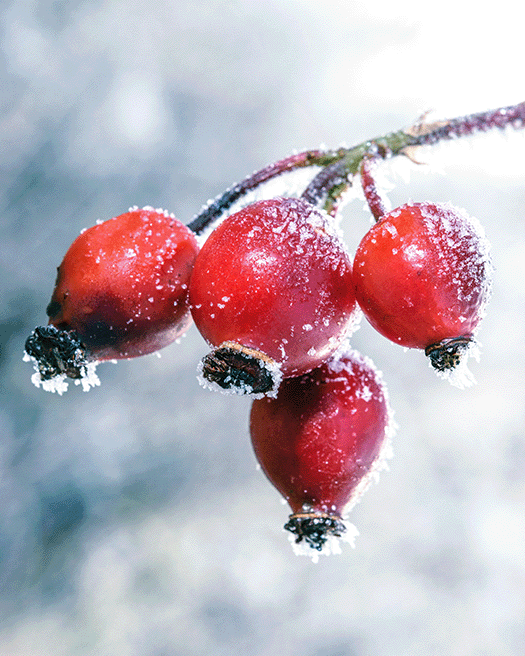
point(134, 521)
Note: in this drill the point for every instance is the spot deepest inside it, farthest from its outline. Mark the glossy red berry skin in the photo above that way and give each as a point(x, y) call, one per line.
point(320, 438)
point(423, 274)
point(275, 277)
point(122, 286)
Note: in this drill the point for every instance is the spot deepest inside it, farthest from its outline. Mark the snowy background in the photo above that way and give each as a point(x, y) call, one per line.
point(134, 521)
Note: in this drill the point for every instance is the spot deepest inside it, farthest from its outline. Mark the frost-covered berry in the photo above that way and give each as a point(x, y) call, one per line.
point(423, 278)
point(272, 291)
point(320, 442)
point(121, 292)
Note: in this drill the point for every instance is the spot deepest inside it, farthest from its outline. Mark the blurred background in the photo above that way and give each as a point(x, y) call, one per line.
point(134, 521)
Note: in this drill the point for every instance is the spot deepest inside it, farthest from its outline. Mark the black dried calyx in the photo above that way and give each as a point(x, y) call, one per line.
point(56, 352)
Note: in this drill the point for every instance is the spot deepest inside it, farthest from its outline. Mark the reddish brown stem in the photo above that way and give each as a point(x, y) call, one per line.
point(327, 182)
point(221, 204)
point(377, 203)
point(431, 133)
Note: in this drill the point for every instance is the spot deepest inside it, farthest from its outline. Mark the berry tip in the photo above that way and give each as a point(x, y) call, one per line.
point(241, 370)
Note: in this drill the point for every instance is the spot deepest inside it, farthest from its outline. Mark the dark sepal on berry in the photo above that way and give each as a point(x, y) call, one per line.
point(448, 353)
point(240, 369)
point(314, 528)
point(56, 352)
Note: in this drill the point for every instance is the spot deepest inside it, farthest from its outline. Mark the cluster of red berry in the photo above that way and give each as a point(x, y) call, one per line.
point(275, 294)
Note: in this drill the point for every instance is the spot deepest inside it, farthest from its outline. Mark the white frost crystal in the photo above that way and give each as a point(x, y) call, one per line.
point(59, 383)
point(460, 376)
point(331, 546)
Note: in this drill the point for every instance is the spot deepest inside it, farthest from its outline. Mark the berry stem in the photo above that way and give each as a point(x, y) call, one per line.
point(377, 202)
point(327, 185)
point(407, 141)
point(221, 204)
point(341, 165)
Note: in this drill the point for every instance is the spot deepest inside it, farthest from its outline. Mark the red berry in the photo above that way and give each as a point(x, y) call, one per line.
point(320, 440)
point(121, 291)
point(272, 288)
point(423, 278)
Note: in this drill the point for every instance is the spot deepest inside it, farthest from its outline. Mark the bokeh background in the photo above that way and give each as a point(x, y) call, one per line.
point(134, 521)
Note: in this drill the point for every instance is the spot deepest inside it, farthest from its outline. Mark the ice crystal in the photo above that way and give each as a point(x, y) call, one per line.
point(332, 545)
point(59, 384)
point(460, 376)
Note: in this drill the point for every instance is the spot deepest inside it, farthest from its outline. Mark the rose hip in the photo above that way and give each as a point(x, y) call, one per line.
point(423, 278)
point(121, 292)
point(272, 290)
point(320, 440)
